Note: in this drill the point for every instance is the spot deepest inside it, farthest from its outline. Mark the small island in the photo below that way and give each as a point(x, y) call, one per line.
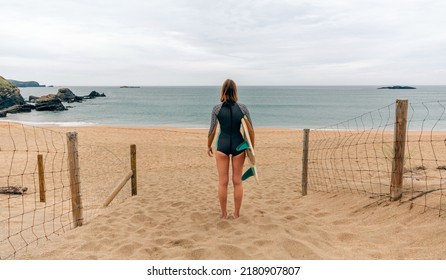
point(397, 87)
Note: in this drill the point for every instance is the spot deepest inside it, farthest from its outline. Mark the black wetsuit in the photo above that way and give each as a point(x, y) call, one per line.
point(229, 116)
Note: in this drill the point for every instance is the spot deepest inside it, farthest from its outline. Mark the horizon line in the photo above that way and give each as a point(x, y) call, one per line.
point(239, 85)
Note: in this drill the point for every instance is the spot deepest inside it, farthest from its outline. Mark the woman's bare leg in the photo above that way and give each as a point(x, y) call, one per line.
point(237, 170)
point(223, 179)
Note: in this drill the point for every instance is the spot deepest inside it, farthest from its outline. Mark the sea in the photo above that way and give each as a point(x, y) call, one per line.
point(294, 107)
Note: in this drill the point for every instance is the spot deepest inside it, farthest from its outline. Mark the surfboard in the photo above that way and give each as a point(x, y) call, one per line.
point(250, 153)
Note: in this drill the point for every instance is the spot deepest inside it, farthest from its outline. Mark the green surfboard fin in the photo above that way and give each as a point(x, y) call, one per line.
point(248, 173)
point(243, 146)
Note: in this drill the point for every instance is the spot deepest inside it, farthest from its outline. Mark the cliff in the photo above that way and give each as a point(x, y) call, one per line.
point(9, 94)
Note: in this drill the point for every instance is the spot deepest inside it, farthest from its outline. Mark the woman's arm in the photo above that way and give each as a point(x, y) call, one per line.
point(211, 137)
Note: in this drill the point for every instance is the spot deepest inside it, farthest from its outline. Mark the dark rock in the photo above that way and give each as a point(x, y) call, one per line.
point(26, 108)
point(94, 94)
point(31, 106)
point(397, 87)
point(9, 94)
point(2, 114)
point(32, 98)
point(76, 99)
point(66, 95)
point(49, 103)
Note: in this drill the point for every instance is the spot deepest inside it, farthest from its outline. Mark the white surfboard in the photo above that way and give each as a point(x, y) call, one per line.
point(252, 171)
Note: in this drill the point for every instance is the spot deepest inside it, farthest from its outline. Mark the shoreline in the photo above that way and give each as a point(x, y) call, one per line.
point(78, 124)
point(172, 127)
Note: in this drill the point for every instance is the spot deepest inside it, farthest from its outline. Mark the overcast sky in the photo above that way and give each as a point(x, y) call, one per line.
point(202, 42)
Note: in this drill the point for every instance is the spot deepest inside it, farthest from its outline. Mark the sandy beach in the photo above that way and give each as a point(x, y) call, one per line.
point(176, 212)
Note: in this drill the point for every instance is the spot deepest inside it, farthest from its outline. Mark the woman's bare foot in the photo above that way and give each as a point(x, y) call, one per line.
point(224, 216)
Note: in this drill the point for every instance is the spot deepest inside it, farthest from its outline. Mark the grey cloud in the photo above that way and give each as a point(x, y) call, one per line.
point(262, 42)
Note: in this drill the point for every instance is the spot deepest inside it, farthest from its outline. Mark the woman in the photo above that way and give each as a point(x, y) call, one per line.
point(229, 114)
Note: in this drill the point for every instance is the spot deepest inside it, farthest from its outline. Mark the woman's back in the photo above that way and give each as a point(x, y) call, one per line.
point(229, 115)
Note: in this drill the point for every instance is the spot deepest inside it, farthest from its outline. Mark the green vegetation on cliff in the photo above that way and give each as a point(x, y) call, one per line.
point(5, 84)
point(9, 94)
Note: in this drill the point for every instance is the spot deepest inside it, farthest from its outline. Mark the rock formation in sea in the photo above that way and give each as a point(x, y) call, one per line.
point(94, 94)
point(66, 95)
point(49, 102)
point(11, 101)
point(397, 87)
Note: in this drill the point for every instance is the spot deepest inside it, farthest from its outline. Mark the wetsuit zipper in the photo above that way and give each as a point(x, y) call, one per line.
point(230, 135)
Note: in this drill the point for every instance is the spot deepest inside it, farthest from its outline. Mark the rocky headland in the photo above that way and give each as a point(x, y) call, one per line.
point(25, 84)
point(12, 102)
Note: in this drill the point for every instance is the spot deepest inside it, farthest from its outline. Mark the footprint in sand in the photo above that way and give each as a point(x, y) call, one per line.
point(224, 225)
point(319, 214)
point(128, 250)
point(90, 246)
point(198, 254)
point(232, 252)
point(185, 243)
point(345, 236)
point(290, 217)
point(341, 222)
point(302, 228)
point(196, 217)
point(138, 218)
point(298, 250)
point(268, 227)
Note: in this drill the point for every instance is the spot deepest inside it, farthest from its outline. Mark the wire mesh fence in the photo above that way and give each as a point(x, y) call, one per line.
point(425, 163)
point(358, 155)
point(35, 198)
point(353, 156)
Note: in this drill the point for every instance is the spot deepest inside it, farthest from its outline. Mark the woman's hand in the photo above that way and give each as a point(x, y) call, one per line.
point(210, 152)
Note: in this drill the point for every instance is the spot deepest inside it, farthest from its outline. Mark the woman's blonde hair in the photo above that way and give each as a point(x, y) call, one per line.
point(228, 91)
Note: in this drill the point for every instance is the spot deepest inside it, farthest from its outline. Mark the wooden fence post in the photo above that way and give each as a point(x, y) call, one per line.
point(306, 137)
point(41, 171)
point(399, 145)
point(133, 166)
point(75, 185)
